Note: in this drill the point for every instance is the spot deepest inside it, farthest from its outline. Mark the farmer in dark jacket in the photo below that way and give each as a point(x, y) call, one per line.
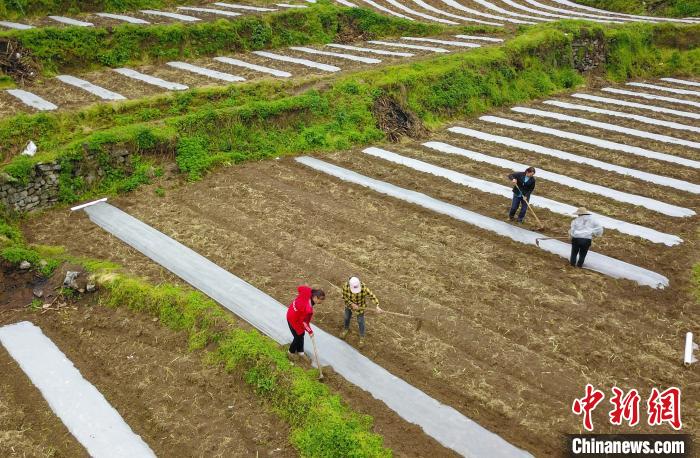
point(523, 185)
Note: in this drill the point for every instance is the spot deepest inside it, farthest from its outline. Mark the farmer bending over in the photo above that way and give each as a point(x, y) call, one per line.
point(299, 315)
point(583, 228)
point(355, 295)
point(523, 185)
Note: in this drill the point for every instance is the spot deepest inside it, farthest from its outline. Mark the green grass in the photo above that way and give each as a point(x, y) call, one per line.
point(668, 8)
point(322, 425)
point(15, 9)
point(14, 250)
point(85, 48)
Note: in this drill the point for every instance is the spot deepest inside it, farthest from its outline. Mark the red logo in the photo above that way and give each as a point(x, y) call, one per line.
point(625, 408)
point(662, 407)
point(587, 404)
point(665, 407)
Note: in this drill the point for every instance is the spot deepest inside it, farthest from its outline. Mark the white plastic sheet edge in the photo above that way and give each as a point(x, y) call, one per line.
point(600, 263)
point(537, 201)
point(80, 406)
point(651, 204)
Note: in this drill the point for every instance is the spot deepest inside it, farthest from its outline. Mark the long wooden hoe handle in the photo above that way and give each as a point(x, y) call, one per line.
point(393, 313)
point(529, 207)
point(318, 363)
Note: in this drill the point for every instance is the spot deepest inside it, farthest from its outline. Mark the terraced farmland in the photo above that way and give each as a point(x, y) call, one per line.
point(373, 140)
point(298, 62)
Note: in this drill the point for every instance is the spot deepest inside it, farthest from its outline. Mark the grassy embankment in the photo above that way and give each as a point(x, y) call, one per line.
point(322, 425)
point(202, 128)
point(68, 49)
point(667, 8)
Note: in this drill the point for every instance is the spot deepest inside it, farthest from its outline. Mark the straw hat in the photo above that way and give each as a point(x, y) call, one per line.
point(581, 211)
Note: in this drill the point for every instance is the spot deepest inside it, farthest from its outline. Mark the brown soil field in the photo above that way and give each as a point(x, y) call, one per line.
point(511, 335)
point(167, 395)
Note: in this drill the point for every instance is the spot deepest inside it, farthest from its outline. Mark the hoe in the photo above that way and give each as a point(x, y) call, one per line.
point(541, 226)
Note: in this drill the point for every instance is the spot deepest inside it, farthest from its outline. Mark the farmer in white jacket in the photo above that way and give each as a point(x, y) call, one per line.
point(583, 228)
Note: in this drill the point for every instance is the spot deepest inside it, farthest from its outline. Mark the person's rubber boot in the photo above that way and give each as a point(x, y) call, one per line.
point(344, 334)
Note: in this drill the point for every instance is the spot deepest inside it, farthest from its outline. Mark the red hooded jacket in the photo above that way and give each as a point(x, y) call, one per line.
point(300, 311)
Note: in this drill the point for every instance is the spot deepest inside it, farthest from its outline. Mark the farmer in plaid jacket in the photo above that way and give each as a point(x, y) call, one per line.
point(355, 295)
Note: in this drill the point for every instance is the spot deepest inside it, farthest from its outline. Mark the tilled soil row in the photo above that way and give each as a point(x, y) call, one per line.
point(550, 189)
point(28, 427)
point(681, 151)
point(497, 315)
point(99, 21)
point(631, 110)
point(630, 160)
point(621, 246)
point(589, 173)
point(179, 406)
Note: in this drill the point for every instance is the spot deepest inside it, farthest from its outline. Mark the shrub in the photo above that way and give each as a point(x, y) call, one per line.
point(192, 157)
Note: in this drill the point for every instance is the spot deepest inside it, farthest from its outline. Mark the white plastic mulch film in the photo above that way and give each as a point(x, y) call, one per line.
point(634, 199)
point(80, 406)
point(594, 261)
point(445, 424)
point(537, 201)
point(32, 100)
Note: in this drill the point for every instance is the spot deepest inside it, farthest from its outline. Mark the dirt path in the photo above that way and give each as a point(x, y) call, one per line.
point(179, 406)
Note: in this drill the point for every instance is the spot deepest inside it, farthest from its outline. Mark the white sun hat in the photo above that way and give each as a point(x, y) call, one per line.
point(355, 285)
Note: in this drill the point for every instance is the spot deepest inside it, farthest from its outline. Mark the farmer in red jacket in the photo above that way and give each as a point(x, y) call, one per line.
point(299, 315)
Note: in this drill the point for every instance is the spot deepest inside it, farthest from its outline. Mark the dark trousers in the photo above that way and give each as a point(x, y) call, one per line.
point(360, 320)
point(579, 247)
point(297, 345)
point(518, 202)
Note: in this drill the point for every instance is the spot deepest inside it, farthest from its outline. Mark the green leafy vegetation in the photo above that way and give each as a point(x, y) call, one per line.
point(36, 304)
point(669, 8)
point(6, 82)
point(322, 426)
point(14, 250)
point(82, 48)
point(193, 156)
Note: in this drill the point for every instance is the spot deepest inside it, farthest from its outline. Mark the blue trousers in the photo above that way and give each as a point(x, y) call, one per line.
point(360, 320)
point(518, 201)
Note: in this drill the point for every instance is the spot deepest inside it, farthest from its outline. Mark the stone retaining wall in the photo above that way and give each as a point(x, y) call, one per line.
point(42, 186)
